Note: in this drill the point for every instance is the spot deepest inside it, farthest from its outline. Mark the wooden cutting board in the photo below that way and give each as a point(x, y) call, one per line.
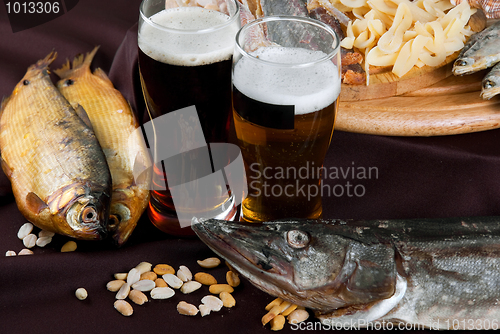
point(451, 106)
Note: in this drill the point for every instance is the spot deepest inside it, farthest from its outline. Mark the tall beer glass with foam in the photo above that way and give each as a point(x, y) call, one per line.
point(286, 83)
point(185, 60)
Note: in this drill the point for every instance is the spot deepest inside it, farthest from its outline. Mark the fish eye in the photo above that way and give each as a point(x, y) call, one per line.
point(69, 82)
point(26, 82)
point(297, 238)
point(462, 62)
point(488, 84)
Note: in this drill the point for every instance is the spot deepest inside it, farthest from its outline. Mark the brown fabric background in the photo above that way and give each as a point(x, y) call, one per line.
point(417, 177)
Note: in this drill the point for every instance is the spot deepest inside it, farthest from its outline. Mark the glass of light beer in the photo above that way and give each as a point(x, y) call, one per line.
point(185, 60)
point(286, 83)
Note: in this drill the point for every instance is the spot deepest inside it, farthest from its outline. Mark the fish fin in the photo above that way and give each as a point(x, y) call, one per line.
point(83, 115)
point(34, 203)
point(64, 70)
point(80, 61)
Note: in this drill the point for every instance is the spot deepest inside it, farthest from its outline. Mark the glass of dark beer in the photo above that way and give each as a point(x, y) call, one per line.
point(286, 83)
point(185, 61)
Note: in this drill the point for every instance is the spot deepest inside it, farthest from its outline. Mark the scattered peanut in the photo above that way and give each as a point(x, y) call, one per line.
point(115, 285)
point(227, 299)
point(160, 283)
point(278, 322)
point(45, 233)
point(10, 253)
point(184, 274)
point(70, 246)
point(162, 293)
point(144, 285)
point(81, 293)
point(204, 310)
point(173, 281)
point(24, 230)
point(143, 267)
point(289, 309)
point(186, 308)
point(29, 241)
point(214, 303)
point(25, 251)
point(211, 262)
point(230, 267)
point(133, 276)
point(123, 292)
point(204, 278)
point(274, 312)
point(138, 297)
point(232, 279)
point(218, 288)
point(122, 276)
point(297, 316)
point(190, 286)
point(272, 304)
point(151, 275)
point(124, 307)
point(43, 241)
point(162, 269)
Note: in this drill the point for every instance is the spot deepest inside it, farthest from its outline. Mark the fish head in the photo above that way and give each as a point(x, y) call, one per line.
point(302, 261)
point(490, 86)
point(465, 65)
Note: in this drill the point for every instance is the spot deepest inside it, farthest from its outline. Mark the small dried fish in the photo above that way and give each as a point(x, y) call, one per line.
point(114, 124)
point(491, 83)
point(59, 175)
point(480, 52)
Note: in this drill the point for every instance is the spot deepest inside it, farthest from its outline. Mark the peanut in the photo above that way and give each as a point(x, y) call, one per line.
point(214, 303)
point(162, 293)
point(204, 310)
point(210, 262)
point(190, 286)
point(24, 230)
point(143, 267)
point(184, 274)
point(297, 316)
point(45, 233)
point(122, 276)
point(218, 288)
point(173, 281)
point(25, 251)
point(81, 293)
point(232, 279)
point(162, 269)
point(204, 278)
point(123, 307)
point(29, 241)
point(114, 286)
point(10, 253)
point(186, 308)
point(70, 246)
point(123, 292)
point(274, 312)
point(227, 299)
point(151, 275)
point(289, 310)
point(144, 285)
point(278, 322)
point(138, 297)
point(133, 276)
point(160, 283)
point(272, 304)
point(43, 241)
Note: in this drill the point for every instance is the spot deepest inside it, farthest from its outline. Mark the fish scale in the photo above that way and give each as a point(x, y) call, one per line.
point(115, 126)
point(59, 176)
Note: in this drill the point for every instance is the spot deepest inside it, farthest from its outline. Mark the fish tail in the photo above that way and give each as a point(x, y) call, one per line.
point(80, 61)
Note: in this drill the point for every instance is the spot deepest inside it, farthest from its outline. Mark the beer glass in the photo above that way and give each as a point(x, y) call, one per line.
point(286, 83)
point(185, 60)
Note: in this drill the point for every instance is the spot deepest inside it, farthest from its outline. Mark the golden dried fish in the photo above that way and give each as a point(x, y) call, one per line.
point(59, 175)
point(114, 124)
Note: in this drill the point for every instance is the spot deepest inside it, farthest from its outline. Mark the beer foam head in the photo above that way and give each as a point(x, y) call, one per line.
point(186, 36)
point(308, 88)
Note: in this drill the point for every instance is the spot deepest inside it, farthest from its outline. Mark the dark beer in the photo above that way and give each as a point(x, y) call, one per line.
point(179, 70)
point(284, 119)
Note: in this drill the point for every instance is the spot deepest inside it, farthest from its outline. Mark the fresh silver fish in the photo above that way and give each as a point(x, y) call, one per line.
point(480, 52)
point(436, 273)
point(491, 83)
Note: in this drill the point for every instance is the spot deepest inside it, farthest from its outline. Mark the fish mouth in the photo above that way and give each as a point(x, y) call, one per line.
point(236, 242)
point(463, 66)
point(88, 216)
point(120, 224)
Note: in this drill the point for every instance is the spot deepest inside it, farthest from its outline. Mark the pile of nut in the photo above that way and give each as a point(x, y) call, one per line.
point(278, 309)
point(161, 282)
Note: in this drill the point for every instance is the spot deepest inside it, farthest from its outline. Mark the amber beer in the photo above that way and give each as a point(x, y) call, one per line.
point(185, 59)
point(284, 118)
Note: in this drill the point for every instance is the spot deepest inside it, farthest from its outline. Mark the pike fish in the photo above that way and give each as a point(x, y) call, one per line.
point(115, 126)
point(437, 273)
point(59, 175)
point(481, 51)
